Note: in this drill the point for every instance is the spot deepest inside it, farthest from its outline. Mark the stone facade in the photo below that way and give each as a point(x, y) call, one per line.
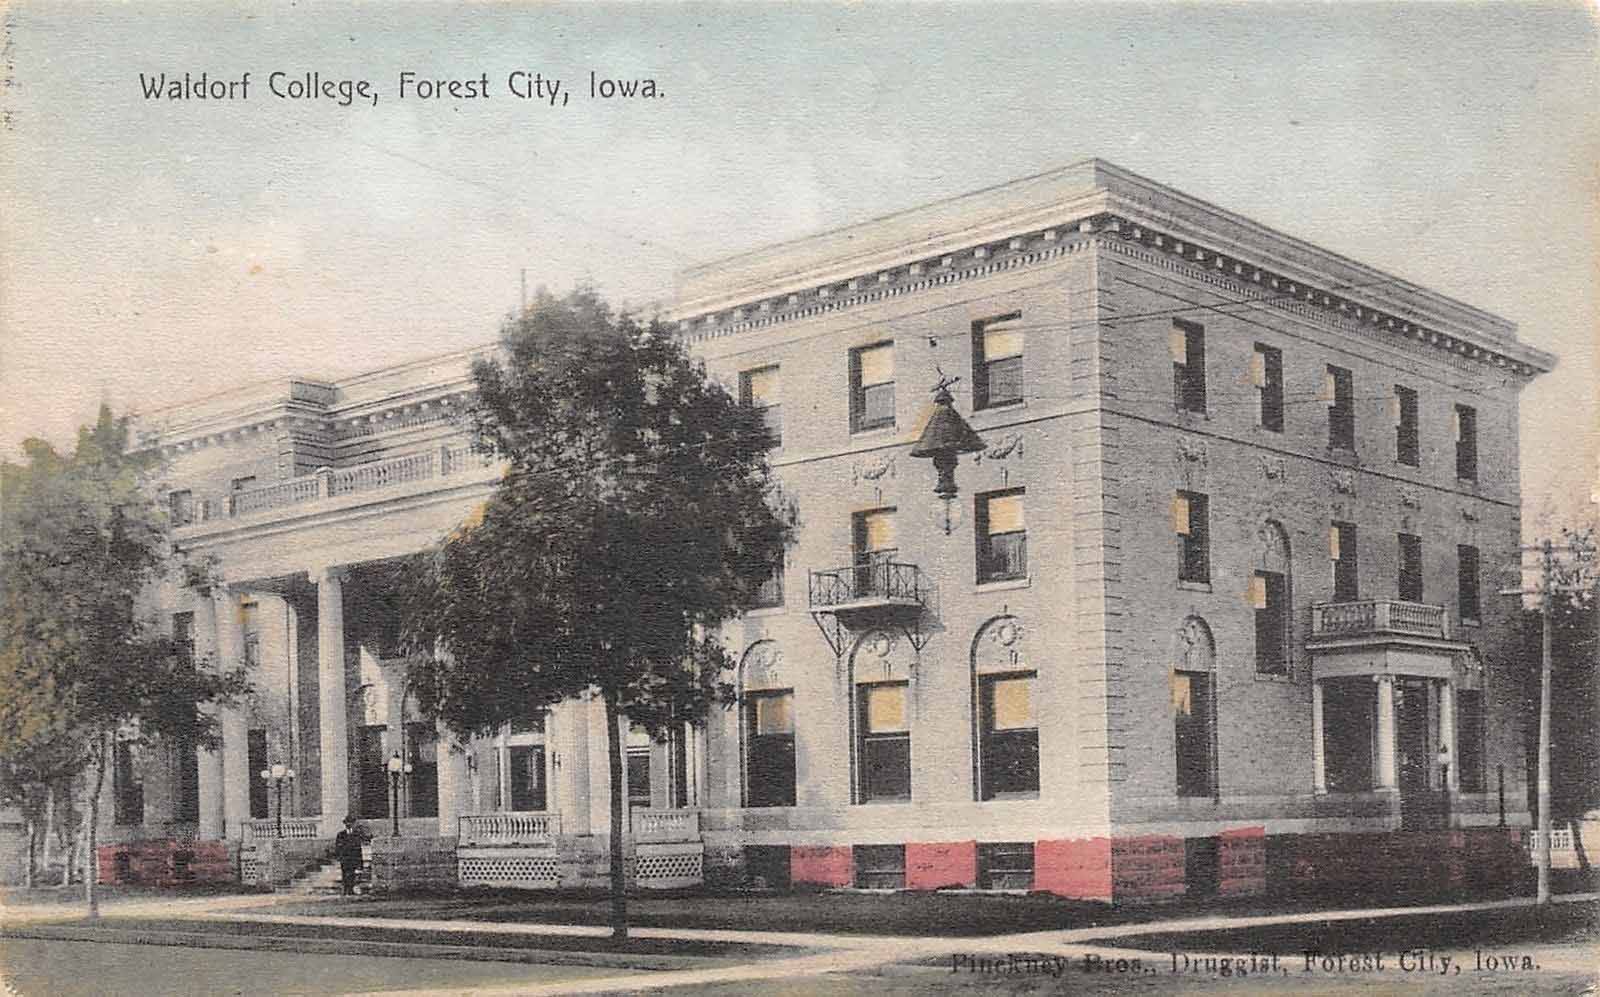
point(1052, 676)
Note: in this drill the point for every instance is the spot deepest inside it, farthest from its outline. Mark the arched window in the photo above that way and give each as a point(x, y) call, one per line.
point(1271, 597)
point(1007, 716)
point(1194, 708)
point(767, 727)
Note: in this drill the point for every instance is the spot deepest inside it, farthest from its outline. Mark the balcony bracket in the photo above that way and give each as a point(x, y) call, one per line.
point(832, 631)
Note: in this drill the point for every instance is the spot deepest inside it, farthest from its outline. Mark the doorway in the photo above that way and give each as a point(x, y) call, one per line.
point(1414, 754)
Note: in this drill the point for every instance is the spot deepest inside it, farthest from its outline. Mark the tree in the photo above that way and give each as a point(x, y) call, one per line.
point(637, 514)
point(80, 667)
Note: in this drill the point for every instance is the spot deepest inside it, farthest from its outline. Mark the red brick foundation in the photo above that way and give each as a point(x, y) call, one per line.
point(1242, 862)
point(945, 864)
point(821, 865)
point(1080, 869)
point(164, 862)
point(1147, 868)
point(1434, 862)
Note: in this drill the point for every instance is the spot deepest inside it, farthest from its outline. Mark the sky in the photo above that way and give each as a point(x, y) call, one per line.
point(156, 251)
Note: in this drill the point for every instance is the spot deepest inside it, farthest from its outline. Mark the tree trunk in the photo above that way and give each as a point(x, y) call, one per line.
point(91, 861)
point(49, 823)
point(619, 878)
point(33, 836)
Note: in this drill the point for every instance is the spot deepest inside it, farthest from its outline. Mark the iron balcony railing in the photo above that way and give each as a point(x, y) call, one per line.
point(869, 582)
point(1373, 616)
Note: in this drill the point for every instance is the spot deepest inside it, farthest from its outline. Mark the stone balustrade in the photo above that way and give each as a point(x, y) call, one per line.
point(666, 825)
point(509, 828)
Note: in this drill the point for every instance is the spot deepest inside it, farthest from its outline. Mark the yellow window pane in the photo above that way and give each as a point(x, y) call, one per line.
point(1258, 370)
point(1178, 345)
point(1394, 410)
point(1000, 342)
point(876, 364)
point(886, 708)
point(1005, 514)
point(878, 528)
point(638, 737)
point(1330, 388)
point(1333, 542)
point(1013, 703)
point(775, 714)
point(763, 386)
point(1182, 698)
point(1257, 596)
point(1455, 424)
point(1180, 515)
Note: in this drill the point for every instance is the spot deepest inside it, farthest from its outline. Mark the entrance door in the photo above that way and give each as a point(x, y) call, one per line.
point(1412, 755)
point(373, 773)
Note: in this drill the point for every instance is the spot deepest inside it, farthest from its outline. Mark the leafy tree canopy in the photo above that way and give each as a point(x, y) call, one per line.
point(637, 513)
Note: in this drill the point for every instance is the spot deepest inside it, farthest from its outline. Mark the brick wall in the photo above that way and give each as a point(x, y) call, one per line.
point(821, 865)
point(164, 862)
point(947, 864)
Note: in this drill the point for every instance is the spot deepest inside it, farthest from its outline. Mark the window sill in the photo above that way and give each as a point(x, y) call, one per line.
point(1002, 585)
point(1002, 406)
point(1010, 797)
point(765, 611)
point(1282, 678)
point(1192, 414)
point(1467, 621)
point(898, 801)
point(884, 428)
point(1188, 586)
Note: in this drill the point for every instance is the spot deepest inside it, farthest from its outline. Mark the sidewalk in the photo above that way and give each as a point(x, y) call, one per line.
point(754, 956)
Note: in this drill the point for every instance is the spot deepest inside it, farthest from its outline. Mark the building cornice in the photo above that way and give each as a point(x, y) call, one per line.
point(1253, 262)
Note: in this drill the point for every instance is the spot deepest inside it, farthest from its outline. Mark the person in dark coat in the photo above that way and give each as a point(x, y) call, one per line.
point(347, 849)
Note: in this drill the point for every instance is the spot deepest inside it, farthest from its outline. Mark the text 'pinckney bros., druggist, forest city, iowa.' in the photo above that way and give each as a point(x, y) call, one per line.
point(409, 85)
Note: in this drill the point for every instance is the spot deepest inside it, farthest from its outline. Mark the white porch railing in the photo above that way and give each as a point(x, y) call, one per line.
point(666, 825)
point(511, 828)
point(293, 827)
point(448, 459)
point(1348, 619)
point(1560, 840)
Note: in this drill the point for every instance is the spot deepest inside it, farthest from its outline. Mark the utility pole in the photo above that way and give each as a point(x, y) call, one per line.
point(1549, 583)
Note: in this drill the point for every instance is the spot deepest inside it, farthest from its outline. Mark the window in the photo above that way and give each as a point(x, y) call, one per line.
point(872, 387)
point(638, 768)
point(1404, 409)
point(771, 591)
point(1469, 740)
point(880, 867)
point(127, 786)
point(1338, 390)
point(885, 749)
point(1187, 342)
point(1194, 735)
point(758, 389)
point(678, 757)
point(181, 505)
point(250, 624)
point(1410, 568)
point(769, 760)
point(522, 765)
point(1189, 521)
point(256, 761)
point(996, 362)
point(1269, 594)
point(1005, 865)
point(1009, 736)
point(1467, 583)
point(1002, 536)
point(1342, 552)
point(874, 547)
point(1466, 426)
point(1266, 373)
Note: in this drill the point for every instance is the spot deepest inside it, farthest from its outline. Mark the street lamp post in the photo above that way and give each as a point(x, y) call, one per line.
point(1444, 781)
point(276, 776)
point(396, 768)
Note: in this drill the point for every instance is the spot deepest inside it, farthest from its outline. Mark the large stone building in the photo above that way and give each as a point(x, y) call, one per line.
point(1217, 597)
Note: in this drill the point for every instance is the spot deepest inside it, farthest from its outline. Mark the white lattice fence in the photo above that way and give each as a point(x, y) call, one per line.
point(665, 867)
point(529, 871)
point(249, 867)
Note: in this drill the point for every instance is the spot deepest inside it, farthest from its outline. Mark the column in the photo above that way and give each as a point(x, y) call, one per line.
point(1447, 731)
point(1319, 762)
point(1386, 770)
point(209, 767)
point(333, 713)
point(236, 774)
point(452, 761)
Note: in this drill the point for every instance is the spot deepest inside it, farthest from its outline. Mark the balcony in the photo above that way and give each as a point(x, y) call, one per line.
point(1375, 617)
point(452, 461)
point(874, 585)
